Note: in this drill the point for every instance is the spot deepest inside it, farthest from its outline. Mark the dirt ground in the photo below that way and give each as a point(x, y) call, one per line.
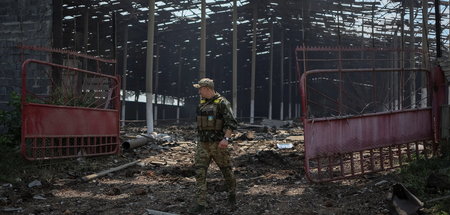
point(270, 180)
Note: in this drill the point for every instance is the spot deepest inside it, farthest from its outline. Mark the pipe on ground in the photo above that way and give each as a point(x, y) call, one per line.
point(134, 143)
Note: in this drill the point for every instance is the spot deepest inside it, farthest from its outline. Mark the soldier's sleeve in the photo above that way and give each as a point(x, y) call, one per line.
point(230, 122)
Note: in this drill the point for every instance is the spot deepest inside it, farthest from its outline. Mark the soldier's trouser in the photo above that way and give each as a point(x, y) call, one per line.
point(206, 151)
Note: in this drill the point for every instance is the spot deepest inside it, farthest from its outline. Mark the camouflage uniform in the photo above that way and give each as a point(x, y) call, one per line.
point(208, 149)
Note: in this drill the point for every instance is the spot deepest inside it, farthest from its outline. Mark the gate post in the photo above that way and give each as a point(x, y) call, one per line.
point(438, 86)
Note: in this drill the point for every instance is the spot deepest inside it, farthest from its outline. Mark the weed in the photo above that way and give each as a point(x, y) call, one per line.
point(414, 176)
point(10, 121)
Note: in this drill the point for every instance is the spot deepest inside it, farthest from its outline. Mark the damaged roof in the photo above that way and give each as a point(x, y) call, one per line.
point(370, 23)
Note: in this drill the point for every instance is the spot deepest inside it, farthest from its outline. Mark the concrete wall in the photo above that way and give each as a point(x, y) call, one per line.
point(26, 22)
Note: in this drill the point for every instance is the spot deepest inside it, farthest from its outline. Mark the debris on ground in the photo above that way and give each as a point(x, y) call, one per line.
point(403, 201)
point(268, 164)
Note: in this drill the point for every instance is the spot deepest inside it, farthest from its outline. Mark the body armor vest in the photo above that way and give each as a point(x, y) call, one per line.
point(207, 115)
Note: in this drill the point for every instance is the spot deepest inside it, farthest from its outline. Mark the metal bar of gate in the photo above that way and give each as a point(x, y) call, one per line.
point(53, 131)
point(372, 137)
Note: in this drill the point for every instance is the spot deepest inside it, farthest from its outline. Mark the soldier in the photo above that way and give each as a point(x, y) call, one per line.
point(215, 123)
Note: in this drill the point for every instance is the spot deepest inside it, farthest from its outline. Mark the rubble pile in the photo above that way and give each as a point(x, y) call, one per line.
point(268, 163)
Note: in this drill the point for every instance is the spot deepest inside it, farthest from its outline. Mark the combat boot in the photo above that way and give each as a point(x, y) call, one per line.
point(232, 200)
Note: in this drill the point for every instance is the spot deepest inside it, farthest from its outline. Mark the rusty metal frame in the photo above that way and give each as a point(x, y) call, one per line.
point(68, 52)
point(354, 145)
point(97, 60)
point(330, 162)
point(52, 131)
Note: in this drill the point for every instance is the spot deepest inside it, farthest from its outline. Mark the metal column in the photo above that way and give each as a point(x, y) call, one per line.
point(202, 72)
point(149, 66)
point(180, 67)
point(124, 76)
point(252, 93)
point(282, 77)
point(155, 112)
point(271, 72)
point(234, 87)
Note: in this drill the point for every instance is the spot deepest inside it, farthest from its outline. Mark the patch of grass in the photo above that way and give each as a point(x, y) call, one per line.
point(443, 208)
point(10, 123)
point(414, 176)
point(10, 164)
point(10, 158)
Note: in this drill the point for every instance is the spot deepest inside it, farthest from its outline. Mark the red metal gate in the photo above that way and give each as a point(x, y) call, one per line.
point(359, 121)
point(74, 115)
